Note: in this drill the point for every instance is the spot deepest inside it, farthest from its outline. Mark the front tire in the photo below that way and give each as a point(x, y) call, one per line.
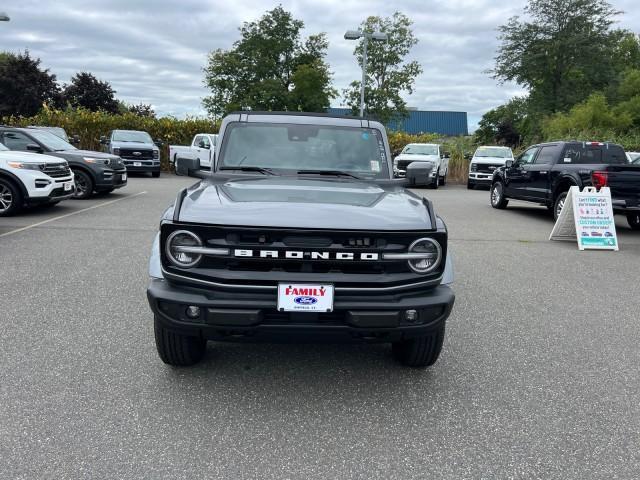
point(634, 221)
point(558, 205)
point(470, 185)
point(498, 200)
point(10, 198)
point(155, 174)
point(436, 182)
point(178, 350)
point(84, 185)
point(421, 351)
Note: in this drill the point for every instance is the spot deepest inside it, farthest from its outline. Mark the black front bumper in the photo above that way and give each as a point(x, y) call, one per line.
point(253, 317)
point(111, 179)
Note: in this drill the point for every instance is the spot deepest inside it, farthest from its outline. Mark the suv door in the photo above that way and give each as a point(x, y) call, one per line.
point(518, 176)
point(205, 152)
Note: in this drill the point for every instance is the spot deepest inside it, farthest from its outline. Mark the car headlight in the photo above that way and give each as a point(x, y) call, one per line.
point(116, 150)
point(156, 154)
point(26, 165)
point(179, 244)
point(428, 254)
point(103, 161)
point(474, 167)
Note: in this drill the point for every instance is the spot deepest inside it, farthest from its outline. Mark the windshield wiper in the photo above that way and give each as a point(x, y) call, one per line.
point(333, 173)
point(266, 171)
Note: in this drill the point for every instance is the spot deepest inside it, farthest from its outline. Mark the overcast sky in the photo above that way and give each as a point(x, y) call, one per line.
point(153, 51)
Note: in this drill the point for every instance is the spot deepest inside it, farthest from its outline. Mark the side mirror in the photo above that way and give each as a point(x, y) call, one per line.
point(202, 144)
point(508, 163)
point(32, 147)
point(158, 143)
point(75, 140)
point(446, 154)
point(418, 173)
point(103, 140)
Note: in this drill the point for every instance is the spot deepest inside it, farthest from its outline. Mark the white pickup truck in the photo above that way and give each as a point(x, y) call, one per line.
point(202, 147)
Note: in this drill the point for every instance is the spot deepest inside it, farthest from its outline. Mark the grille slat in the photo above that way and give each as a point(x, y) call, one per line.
point(487, 167)
point(56, 170)
point(130, 154)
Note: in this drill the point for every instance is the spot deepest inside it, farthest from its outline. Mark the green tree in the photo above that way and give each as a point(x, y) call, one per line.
point(86, 91)
point(270, 68)
point(24, 86)
point(563, 52)
point(504, 125)
point(388, 76)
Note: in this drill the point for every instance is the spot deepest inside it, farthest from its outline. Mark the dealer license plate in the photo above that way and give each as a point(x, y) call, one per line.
point(307, 297)
point(137, 164)
point(68, 186)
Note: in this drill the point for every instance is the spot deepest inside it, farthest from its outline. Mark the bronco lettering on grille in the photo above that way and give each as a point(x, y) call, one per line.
point(300, 255)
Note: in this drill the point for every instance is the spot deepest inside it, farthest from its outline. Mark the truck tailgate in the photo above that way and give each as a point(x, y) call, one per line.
point(624, 182)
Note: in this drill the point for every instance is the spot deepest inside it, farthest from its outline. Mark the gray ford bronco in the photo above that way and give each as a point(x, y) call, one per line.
point(300, 233)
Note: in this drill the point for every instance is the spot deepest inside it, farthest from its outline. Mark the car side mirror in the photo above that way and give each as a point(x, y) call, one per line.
point(103, 140)
point(32, 147)
point(201, 144)
point(158, 143)
point(75, 139)
point(446, 154)
point(508, 163)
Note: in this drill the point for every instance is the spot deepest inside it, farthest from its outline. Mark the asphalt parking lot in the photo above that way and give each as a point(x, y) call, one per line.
point(539, 376)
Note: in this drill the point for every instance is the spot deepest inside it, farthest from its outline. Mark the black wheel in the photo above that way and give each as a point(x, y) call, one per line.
point(175, 165)
point(436, 182)
point(558, 205)
point(634, 221)
point(155, 174)
point(10, 198)
point(469, 185)
point(419, 352)
point(498, 200)
point(178, 350)
point(84, 185)
point(443, 179)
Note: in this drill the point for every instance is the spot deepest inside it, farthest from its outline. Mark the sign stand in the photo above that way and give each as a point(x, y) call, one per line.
point(587, 217)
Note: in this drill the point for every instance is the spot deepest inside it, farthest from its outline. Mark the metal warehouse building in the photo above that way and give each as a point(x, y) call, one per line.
point(419, 121)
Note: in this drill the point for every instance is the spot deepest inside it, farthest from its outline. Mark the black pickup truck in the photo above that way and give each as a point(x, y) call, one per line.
point(300, 233)
point(544, 174)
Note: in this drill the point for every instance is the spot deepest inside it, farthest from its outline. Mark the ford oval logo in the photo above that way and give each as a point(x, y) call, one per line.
point(305, 300)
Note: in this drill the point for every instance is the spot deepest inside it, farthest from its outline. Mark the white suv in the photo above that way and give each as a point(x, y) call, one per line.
point(32, 178)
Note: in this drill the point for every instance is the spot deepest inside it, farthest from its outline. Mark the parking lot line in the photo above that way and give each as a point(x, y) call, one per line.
point(60, 217)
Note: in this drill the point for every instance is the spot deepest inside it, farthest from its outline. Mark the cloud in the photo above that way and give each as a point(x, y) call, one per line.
point(154, 51)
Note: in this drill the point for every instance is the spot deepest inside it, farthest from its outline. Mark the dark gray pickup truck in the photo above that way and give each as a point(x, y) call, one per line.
point(300, 233)
point(544, 174)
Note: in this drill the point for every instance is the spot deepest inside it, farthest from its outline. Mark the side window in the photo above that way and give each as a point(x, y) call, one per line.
point(614, 156)
point(196, 140)
point(548, 154)
point(527, 157)
point(205, 141)
point(17, 141)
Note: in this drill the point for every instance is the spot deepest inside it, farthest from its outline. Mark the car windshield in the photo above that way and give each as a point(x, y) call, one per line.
point(57, 131)
point(131, 136)
point(312, 149)
point(417, 149)
point(635, 158)
point(3, 148)
point(51, 141)
point(494, 152)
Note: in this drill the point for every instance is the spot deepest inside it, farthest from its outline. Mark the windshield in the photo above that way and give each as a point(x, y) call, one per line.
point(634, 158)
point(287, 148)
point(417, 149)
point(51, 141)
point(131, 136)
point(57, 131)
point(3, 148)
point(494, 152)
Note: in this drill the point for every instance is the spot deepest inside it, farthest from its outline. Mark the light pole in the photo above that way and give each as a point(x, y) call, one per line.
point(366, 36)
point(4, 17)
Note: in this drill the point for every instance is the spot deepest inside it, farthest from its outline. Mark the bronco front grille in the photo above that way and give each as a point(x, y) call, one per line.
point(347, 259)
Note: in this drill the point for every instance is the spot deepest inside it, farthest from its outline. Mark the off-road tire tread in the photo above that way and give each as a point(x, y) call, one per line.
point(178, 350)
point(420, 352)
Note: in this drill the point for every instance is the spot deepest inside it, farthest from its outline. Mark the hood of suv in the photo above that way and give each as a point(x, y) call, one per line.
point(27, 157)
point(294, 202)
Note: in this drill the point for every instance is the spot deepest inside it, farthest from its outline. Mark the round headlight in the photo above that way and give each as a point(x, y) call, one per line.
point(430, 254)
point(178, 245)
